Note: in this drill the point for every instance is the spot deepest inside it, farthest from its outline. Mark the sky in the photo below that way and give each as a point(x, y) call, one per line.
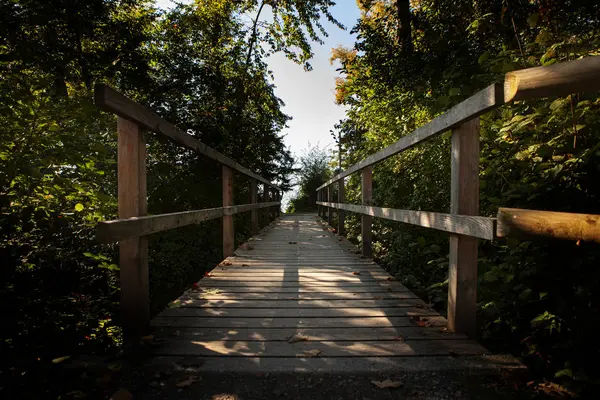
point(308, 96)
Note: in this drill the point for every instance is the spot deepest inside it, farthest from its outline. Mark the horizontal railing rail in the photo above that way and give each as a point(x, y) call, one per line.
point(133, 226)
point(463, 223)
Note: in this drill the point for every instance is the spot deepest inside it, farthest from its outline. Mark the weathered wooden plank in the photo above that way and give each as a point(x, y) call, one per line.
point(478, 104)
point(296, 312)
point(108, 99)
point(393, 348)
point(228, 234)
point(329, 210)
point(372, 284)
point(464, 188)
point(311, 335)
point(480, 227)
point(295, 303)
point(515, 222)
point(367, 220)
point(113, 231)
point(227, 322)
point(133, 252)
point(373, 289)
point(294, 278)
point(560, 79)
point(292, 296)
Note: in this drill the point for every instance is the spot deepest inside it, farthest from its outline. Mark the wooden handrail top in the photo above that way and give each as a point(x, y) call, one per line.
point(480, 227)
point(559, 79)
point(108, 99)
point(119, 229)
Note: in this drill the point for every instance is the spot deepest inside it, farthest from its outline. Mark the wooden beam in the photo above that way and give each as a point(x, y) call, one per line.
point(119, 229)
point(228, 234)
point(464, 188)
point(108, 99)
point(133, 252)
point(341, 213)
point(514, 222)
point(479, 103)
point(367, 220)
point(265, 199)
point(479, 227)
point(329, 209)
point(253, 200)
point(556, 80)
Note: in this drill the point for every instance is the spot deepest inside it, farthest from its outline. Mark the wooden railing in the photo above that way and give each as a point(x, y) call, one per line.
point(133, 225)
point(463, 223)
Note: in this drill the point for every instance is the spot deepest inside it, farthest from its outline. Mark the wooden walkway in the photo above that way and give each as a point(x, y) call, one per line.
point(298, 282)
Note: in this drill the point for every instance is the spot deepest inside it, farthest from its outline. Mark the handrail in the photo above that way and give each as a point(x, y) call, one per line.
point(108, 99)
point(133, 226)
point(463, 222)
point(555, 80)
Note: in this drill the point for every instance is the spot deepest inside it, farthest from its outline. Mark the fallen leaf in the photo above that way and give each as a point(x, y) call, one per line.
point(115, 367)
point(356, 273)
point(245, 265)
point(387, 384)
point(377, 298)
point(121, 394)
point(399, 338)
point(211, 291)
point(206, 274)
point(297, 338)
point(419, 305)
point(225, 263)
point(293, 242)
point(148, 337)
point(310, 353)
point(390, 278)
point(187, 382)
point(60, 359)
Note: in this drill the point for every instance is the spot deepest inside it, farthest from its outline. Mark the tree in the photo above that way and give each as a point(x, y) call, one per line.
point(312, 172)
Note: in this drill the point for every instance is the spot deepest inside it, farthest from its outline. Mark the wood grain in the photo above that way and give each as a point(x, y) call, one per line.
point(464, 192)
point(367, 220)
point(528, 224)
point(133, 252)
point(228, 234)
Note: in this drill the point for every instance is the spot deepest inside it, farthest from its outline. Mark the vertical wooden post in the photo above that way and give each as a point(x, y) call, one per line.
point(254, 199)
point(367, 220)
point(319, 199)
point(133, 252)
point(341, 213)
point(228, 235)
point(329, 209)
point(278, 199)
point(462, 275)
point(265, 199)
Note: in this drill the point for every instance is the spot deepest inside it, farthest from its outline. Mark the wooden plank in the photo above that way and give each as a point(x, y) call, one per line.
point(560, 79)
point(296, 312)
point(228, 322)
point(294, 303)
point(270, 295)
point(462, 275)
point(373, 289)
point(478, 104)
point(480, 227)
point(228, 234)
point(341, 213)
point(213, 283)
point(295, 278)
point(311, 335)
point(113, 231)
point(254, 200)
point(108, 99)
point(527, 224)
point(367, 220)
point(392, 348)
point(133, 252)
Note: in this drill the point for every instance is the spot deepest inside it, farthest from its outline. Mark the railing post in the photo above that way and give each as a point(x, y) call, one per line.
point(318, 200)
point(228, 236)
point(278, 196)
point(329, 209)
point(341, 213)
point(254, 199)
point(367, 220)
point(265, 199)
point(462, 276)
point(133, 252)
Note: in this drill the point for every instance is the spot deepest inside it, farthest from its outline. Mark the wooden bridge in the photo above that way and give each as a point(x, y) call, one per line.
point(297, 296)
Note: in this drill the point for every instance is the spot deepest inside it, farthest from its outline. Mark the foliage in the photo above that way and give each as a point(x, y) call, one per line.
point(537, 299)
point(58, 153)
point(312, 172)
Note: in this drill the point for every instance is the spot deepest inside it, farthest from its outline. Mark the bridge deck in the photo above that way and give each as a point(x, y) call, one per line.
point(298, 298)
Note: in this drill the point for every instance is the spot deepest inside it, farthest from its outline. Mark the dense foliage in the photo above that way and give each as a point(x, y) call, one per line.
point(200, 66)
point(312, 172)
point(412, 61)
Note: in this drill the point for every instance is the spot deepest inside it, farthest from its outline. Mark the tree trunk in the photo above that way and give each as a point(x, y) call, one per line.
point(404, 29)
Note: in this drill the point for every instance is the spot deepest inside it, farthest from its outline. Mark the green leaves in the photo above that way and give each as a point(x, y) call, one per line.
point(78, 207)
